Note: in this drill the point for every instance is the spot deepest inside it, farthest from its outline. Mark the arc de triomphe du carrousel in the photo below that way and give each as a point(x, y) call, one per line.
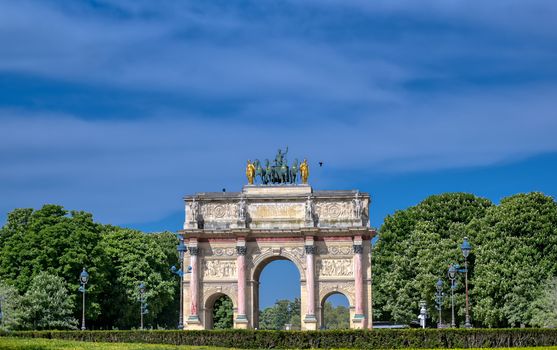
point(232, 236)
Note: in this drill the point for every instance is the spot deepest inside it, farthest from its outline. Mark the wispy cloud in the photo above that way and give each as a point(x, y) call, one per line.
point(386, 85)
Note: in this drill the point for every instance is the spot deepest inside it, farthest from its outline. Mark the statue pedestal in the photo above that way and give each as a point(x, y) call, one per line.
point(239, 224)
point(282, 190)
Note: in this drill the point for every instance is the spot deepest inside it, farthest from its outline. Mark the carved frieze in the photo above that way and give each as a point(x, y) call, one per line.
point(223, 251)
point(219, 268)
point(335, 250)
point(219, 211)
point(334, 210)
point(276, 211)
point(335, 267)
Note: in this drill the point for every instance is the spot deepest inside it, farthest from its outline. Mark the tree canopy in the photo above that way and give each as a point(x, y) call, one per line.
point(514, 254)
point(61, 243)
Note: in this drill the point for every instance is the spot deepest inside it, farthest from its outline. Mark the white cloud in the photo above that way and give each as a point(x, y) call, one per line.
point(137, 170)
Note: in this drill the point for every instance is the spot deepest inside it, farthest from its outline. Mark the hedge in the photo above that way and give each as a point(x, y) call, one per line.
point(361, 339)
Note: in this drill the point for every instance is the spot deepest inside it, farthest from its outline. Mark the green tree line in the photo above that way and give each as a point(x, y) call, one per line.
point(512, 267)
point(42, 253)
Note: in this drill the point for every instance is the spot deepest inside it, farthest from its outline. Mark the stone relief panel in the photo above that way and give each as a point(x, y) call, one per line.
point(335, 267)
point(275, 211)
point(219, 268)
point(334, 210)
point(219, 211)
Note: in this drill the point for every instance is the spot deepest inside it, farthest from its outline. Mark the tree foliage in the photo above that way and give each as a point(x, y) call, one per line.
point(282, 313)
point(61, 243)
point(415, 248)
point(516, 254)
point(223, 313)
point(47, 305)
point(335, 317)
point(11, 308)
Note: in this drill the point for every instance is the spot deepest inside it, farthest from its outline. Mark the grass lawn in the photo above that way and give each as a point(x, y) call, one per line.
point(7, 343)
point(51, 344)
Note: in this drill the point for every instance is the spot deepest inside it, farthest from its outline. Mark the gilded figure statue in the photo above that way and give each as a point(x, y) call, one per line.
point(304, 171)
point(250, 172)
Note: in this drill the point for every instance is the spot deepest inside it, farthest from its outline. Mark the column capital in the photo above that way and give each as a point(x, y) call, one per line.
point(194, 251)
point(241, 250)
point(310, 249)
point(358, 248)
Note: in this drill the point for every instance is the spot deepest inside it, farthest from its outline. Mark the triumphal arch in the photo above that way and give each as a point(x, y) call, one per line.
point(232, 236)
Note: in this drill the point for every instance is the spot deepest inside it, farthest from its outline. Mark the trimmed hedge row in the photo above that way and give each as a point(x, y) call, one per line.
point(361, 339)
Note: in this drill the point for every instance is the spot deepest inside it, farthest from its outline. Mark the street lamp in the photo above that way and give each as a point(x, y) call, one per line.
point(83, 279)
point(143, 305)
point(181, 247)
point(466, 248)
point(439, 300)
point(1, 312)
point(452, 277)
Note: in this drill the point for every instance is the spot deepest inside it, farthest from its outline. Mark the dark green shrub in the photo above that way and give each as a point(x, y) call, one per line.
point(360, 339)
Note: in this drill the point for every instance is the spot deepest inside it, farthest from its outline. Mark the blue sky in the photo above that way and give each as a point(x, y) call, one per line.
point(121, 107)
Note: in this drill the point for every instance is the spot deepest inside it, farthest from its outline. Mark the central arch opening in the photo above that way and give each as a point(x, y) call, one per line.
point(277, 290)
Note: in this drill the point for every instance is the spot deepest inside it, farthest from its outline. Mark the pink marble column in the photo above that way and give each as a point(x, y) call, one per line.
point(241, 267)
point(194, 284)
point(310, 280)
point(359, 280)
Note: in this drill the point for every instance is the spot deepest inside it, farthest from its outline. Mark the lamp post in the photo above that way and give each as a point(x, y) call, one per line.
point(1, 312)
point(439, 300)
point(83, 279)
point(452, 277)
point(181, 247)
point(466, 248)
point(143, 305)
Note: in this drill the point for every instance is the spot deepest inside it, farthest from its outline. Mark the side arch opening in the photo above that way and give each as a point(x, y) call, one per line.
point(335, 311)
point(219, 312)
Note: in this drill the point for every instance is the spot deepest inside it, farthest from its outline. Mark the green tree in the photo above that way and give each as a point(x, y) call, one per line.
point(335, 317)
point(57, 241)
point(47, 305)
point(517, 248)
point(414, 249)
point(62, 242)
point(11, 308)
point(223, 313)
point(136, 257)
point(282, 313)
point(545, 307)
